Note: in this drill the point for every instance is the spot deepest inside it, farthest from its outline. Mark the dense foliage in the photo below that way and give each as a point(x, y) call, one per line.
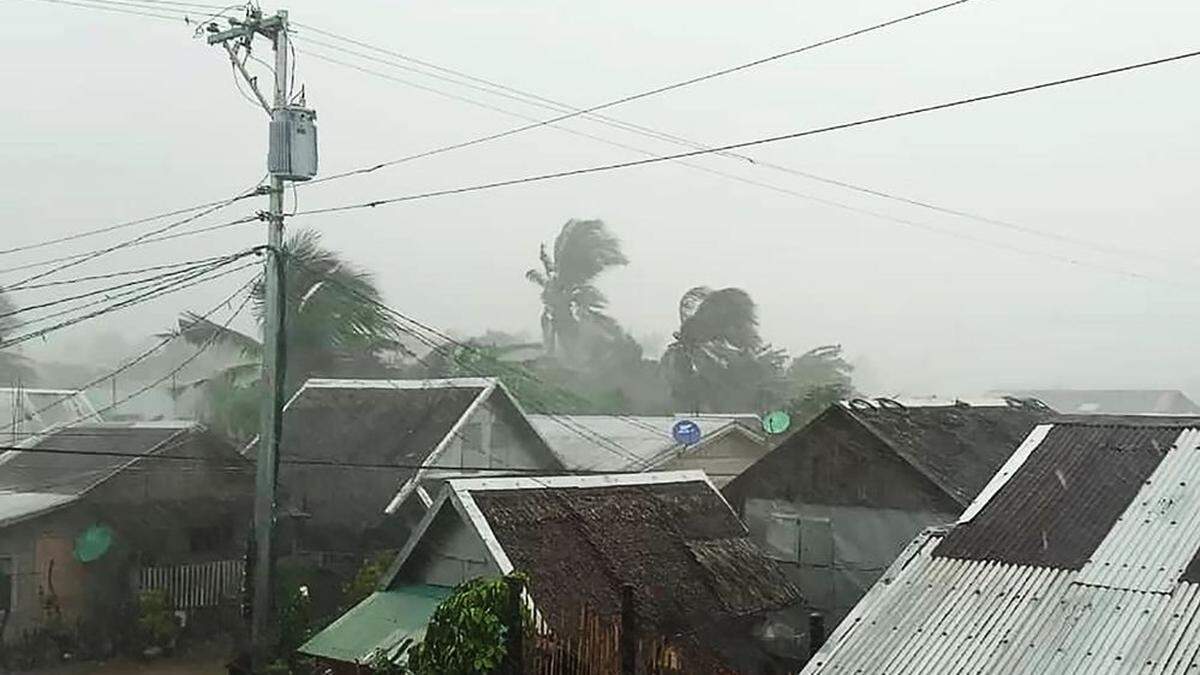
point(336, 326)
point(466, 635)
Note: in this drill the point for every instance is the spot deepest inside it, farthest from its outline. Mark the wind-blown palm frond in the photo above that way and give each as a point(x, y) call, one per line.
point(336, 325)
point(197, 330)
point(582, 250)
point(717, 354)
point(725, 316)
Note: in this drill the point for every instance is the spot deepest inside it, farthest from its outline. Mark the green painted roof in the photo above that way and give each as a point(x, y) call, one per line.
point(382, 621)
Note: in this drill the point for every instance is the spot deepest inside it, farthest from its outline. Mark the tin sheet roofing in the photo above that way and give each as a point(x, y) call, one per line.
point(640, 442)
point(1062, 502)
point(932, 616)
point(1082, 562)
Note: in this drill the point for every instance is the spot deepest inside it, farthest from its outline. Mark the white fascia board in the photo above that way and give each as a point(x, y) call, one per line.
point(1011, 466)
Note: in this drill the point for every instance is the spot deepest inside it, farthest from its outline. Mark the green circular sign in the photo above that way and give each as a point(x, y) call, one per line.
point(776, 422)
point(93, 543)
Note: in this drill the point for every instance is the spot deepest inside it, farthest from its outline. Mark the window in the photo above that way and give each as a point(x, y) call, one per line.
point(8, 586)
point(783, 536)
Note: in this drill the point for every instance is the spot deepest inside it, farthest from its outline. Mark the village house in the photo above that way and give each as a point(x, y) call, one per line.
point(728, 443)
point(836, 501)
point(1114, 401)
point(581, 540)
point(1082, 555)
point(32, 411)
point(359, 457)
point(92, 513)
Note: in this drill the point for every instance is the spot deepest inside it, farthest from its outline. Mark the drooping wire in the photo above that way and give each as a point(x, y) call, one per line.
point(920, 225)
point(152, 294)
point(524, 97)
point(910, 112)
point(652, 92)
point(147, 353)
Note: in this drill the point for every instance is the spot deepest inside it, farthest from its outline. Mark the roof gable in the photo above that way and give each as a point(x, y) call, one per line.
point(581, 537)
point(1080, 557)
point(629, 442)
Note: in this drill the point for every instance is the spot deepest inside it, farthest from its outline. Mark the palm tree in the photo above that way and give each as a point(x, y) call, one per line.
point(335, 326)
point(718, 333)
point(13, 366)
point(818, 378)
point(582, 250)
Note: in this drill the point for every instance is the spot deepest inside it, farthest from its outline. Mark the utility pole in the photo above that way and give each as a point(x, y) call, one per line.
point(292, 155)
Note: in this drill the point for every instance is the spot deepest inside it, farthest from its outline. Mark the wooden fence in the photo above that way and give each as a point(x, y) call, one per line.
point(607, 645)
point(195, 585)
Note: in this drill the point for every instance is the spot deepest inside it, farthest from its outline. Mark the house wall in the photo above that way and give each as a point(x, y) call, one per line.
point(449, 554)
point(723, 458)
point(835, 506)
point(493, 435)
point(160, 513)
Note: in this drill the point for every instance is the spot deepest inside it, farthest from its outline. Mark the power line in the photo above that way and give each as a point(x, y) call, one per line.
point(111, 275)
point(143, 355)
point(108, 8)
point(419, 333)
point(152, 294)
point(107, 228)
point(512, 93)
point(332, 464)
point(116, 287)
point(761, 141)
point(151, 240)
point(653, 92)
point(161, 285)
point(953, 233)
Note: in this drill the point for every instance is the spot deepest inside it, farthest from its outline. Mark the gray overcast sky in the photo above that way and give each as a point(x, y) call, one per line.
point(108, 117)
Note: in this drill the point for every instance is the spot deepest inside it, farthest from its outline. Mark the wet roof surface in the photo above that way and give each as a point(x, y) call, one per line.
point(679, 544)
point(1066, 497)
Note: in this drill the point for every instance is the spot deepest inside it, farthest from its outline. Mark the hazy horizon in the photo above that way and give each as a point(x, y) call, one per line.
point(112, 117)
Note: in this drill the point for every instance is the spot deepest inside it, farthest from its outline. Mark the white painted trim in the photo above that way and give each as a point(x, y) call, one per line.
point(423, 495)
point(1011, 466)
point(440, 449)
point(584, 481)
point(414, 539)
point(470, 510)
point(439, 383)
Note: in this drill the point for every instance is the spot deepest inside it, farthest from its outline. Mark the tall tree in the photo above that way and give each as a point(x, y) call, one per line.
point(718, 332)
point(13, 367)
point(336, 326)
point(818, 378)
point(582, 250)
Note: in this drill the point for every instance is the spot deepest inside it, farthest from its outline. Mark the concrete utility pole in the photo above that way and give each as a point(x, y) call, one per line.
point(291, 156)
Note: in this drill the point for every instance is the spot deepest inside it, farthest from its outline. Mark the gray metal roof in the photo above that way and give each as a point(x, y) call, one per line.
point(632, 442)
point(933, 615)
point(1133, 605)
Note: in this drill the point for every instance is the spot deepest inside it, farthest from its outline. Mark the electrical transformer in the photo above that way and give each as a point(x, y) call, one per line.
point(293, 147)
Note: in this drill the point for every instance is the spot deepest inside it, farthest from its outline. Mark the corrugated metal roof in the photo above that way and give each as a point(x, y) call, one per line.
point(933, 615)
point(1150, 545)
point(1073, 566)
point(382, 622)
point(1065, 498)
point(643, 440)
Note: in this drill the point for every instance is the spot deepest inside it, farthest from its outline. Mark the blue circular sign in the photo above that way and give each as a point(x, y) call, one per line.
point(686, 432)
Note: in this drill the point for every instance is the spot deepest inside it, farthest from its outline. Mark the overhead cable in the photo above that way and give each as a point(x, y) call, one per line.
point(651, 92)
point(760, 141)
point(499, 89)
